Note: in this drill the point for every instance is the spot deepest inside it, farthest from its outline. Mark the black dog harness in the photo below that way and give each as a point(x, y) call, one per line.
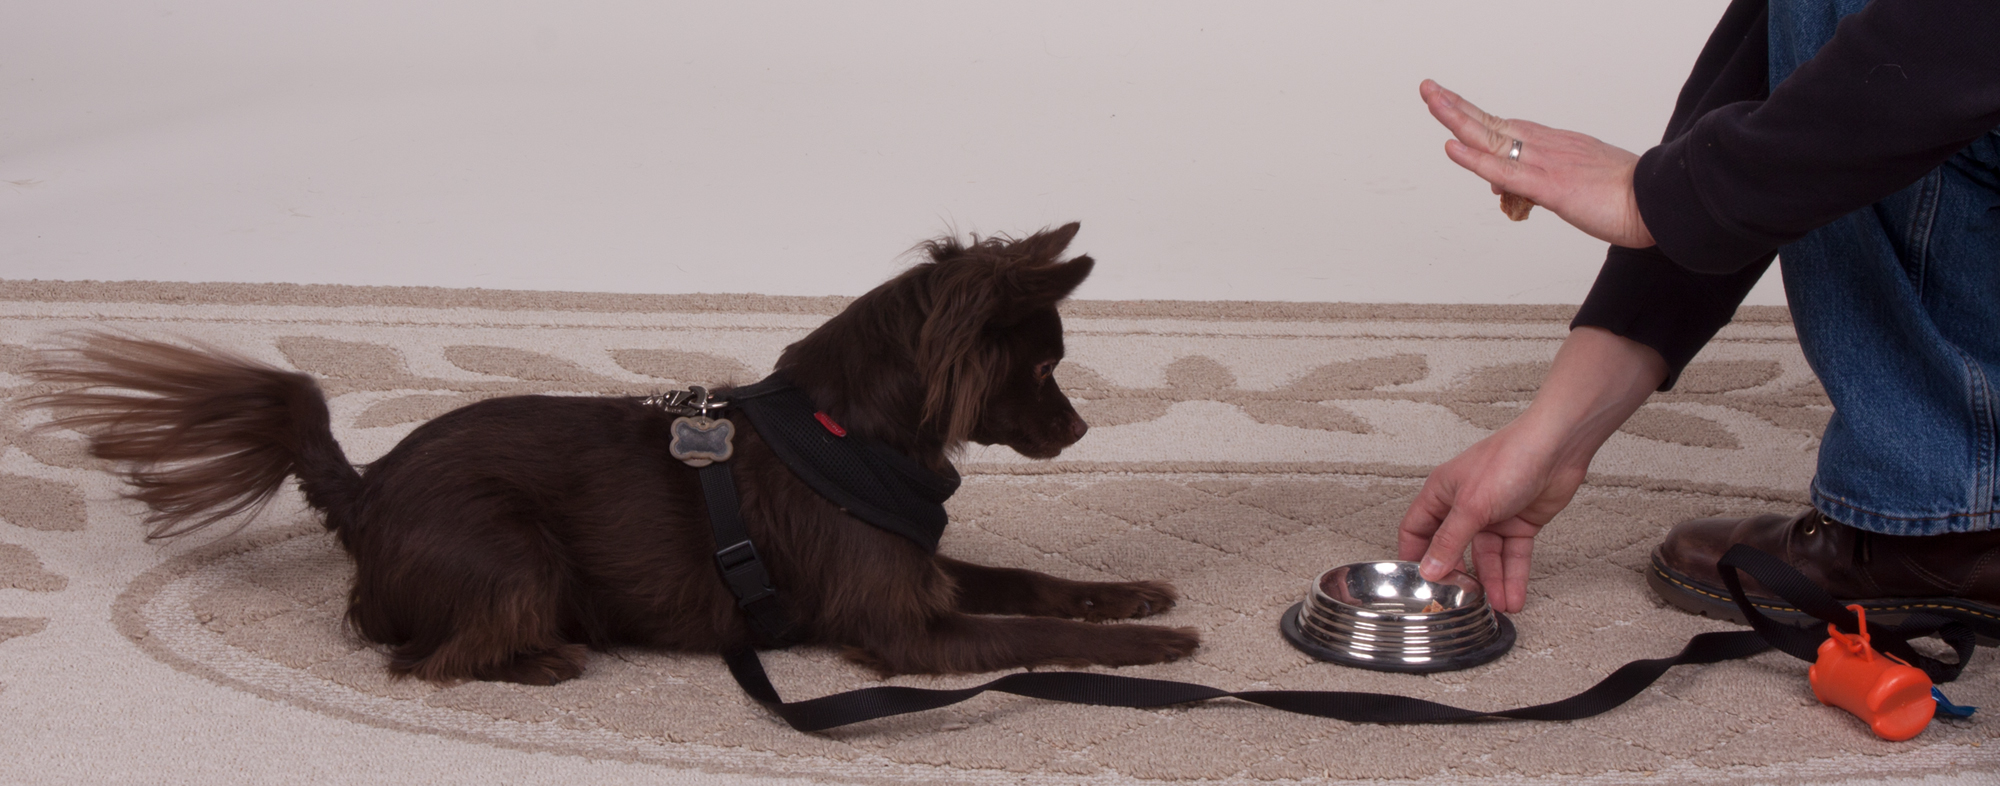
point(864, 477)
point(867, 479)
point(890, 491)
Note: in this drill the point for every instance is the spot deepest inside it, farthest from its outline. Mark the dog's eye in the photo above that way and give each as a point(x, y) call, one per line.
point(1045, 368)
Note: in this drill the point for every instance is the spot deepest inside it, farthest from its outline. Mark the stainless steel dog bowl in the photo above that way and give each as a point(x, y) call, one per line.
point(1384, 616)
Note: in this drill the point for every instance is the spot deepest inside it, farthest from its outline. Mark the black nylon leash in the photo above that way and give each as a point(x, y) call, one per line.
point(1111, 690)
point(1803, 642)
point(749, 581)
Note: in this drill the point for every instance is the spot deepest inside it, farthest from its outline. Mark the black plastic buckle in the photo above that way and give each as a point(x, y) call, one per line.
point(744, 573)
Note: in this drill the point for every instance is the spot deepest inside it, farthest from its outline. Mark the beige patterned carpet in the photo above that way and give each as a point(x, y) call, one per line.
point(1237, 449)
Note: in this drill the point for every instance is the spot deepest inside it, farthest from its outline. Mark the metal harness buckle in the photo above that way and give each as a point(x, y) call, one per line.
point(693, 401)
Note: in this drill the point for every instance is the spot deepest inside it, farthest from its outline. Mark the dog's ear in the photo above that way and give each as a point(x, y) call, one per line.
point(1047, 285)
point(1045, 246)
point(1030, 289)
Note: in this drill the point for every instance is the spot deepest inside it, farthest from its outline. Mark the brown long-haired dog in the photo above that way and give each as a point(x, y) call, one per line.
point(504, 540)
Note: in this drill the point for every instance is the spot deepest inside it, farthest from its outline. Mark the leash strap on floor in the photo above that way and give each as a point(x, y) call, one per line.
point(749, 580)
point(1110, 690)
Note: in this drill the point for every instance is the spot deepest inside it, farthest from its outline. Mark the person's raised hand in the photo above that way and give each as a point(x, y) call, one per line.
point(1579, 178)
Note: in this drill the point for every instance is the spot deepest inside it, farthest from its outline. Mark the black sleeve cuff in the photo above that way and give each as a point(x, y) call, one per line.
point(1642, 295)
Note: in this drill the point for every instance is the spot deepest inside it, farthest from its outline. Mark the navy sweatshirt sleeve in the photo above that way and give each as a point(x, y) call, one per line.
point(1902, 86)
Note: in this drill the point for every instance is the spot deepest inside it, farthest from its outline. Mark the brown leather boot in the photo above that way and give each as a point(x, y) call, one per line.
point(1956, 575)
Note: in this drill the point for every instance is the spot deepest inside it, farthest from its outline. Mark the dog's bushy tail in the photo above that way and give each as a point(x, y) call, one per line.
point(200, 434)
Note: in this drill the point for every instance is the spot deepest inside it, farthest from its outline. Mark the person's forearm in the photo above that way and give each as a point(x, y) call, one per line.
point(1642, 295)
point(1598, 380)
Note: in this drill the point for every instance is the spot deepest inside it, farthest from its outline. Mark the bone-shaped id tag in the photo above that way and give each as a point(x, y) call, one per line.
point(699, 440)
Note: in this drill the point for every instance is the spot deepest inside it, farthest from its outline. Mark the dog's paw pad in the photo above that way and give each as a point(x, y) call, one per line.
point(1164, 645)
point(1125, 600)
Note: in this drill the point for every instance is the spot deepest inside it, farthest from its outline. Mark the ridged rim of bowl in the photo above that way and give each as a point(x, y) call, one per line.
point(1469, 598)
point(1393, 628)
point(1459, 638)
point(1401, 663)
point(1391, 624)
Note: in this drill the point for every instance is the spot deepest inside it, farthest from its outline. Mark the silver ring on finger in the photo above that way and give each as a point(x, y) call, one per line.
point(1514, 152)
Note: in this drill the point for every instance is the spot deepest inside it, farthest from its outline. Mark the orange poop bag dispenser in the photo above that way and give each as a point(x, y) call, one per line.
point(1892, 697)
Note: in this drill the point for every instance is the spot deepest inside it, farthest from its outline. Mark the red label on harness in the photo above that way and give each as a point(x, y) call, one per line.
point(830, 425)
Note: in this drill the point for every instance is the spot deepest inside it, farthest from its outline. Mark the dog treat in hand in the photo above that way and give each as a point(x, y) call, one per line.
point(1515, 206)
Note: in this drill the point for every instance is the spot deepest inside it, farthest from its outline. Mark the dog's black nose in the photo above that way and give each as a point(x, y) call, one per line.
point(1077, 427)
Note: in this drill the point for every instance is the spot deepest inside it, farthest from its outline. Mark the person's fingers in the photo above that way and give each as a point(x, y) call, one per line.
point(1515, 556)
point(1489, 122)
point(1447, 549)
point(1474, 133)
point(1426, 513)
point(1441, 95)
point(1467, 122)
point(1505, 175)
point(1412, 542)
point(1528, 130)
point(1486, 548)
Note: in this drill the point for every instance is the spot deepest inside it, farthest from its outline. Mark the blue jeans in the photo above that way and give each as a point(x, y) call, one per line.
point(1897, 306)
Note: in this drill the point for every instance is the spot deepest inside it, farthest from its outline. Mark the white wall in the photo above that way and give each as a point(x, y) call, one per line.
point(1270, 150)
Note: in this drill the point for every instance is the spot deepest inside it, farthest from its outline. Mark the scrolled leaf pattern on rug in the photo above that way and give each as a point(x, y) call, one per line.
point(22, 569)
point(15, 627)
point(1240, 549)
point(685, 368)
point(1487, 399)
point(346, 367)
point(1335, 424)
point(34, 504)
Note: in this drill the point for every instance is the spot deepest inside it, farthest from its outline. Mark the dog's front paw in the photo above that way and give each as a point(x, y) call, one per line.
point(1122, 600)
point(1143, 644)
